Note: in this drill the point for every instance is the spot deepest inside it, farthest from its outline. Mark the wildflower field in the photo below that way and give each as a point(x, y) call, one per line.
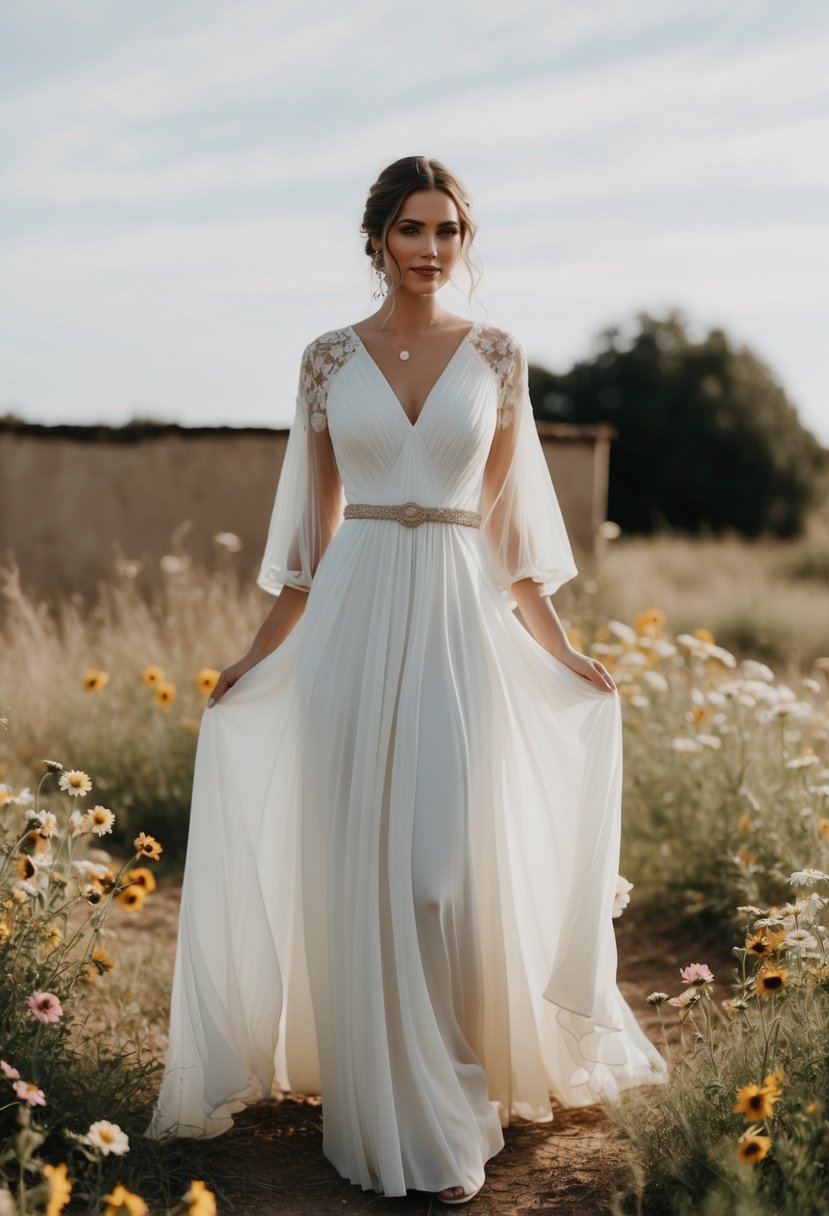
point(725, 857)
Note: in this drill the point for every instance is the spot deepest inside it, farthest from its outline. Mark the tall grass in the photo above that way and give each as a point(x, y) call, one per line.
point(766, 599)
point(141, 751)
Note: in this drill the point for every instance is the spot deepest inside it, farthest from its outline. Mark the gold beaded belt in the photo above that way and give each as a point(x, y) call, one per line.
point(410, 514)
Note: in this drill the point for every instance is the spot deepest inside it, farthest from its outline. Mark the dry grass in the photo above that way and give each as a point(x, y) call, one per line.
point(766, 600)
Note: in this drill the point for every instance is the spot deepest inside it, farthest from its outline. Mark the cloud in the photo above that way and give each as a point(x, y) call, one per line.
point(194, 174)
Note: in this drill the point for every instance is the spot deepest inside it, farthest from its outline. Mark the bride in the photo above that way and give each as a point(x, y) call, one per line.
point(406, 808)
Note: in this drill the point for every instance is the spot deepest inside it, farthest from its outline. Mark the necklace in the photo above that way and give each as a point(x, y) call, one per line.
point(403, 354)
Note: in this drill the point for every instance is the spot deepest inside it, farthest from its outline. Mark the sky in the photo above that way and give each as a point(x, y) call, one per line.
point(182, 184)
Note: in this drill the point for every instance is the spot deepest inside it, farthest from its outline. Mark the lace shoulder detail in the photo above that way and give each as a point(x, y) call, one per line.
point(321, 360)
point(504, 355)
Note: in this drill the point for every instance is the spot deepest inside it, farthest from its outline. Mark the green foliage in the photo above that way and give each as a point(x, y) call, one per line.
point(686, 1134)
point(707, 438)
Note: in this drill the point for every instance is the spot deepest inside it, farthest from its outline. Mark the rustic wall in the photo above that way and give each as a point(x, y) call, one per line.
point(72, 499)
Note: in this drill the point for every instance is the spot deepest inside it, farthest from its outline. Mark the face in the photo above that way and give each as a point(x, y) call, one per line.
point(426, 236)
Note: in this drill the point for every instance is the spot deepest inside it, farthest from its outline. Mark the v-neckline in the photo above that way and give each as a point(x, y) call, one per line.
point(413, 425)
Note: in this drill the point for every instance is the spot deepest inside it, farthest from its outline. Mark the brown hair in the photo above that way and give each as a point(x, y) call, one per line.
point(394, 185)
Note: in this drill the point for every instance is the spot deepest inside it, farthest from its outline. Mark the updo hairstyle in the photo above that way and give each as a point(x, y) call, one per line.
point(385, 202)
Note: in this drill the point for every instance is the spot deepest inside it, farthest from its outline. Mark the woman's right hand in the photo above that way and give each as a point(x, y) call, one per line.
point(228, 678)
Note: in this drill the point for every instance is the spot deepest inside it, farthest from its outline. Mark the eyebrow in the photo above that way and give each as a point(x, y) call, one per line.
point(422, 223)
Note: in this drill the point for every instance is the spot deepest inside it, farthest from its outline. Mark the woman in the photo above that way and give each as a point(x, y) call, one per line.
point(406, 806)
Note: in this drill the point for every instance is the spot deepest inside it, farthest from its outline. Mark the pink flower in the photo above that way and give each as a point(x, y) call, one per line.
point(45, 1006)
point(685, 998)
point(697, 973)
point(29, 1093)
point(8, 1071)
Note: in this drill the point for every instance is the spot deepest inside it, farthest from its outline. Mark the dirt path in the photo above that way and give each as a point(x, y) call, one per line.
point(271, 1164)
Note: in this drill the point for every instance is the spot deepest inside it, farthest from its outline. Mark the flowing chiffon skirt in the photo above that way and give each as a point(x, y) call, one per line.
point(400, 875)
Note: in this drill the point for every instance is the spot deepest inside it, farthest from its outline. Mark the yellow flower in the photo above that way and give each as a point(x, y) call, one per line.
point(700, 713)
point(756, 1102)
point(752, 1147)
point(75, 783)
point(95, 680)
point(101, 961)
point(201, 1201)
point(165, 694)
point(147, 846)
point(24, 868)
point(774, 1082)
point(744, 823)
point(765, 942)
point(132, 898)
point(152, 675)
point(35, 842)
point(107, 880)
point(649, 622)
point(704, 635)
point(770, 980)
point(206, 680)
point(60, 1188)
point(823, 829)
point(122, 1202)
point(52, 938)
point(143, 877)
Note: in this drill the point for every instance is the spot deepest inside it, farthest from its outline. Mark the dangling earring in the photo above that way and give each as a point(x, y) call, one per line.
point(379, 269)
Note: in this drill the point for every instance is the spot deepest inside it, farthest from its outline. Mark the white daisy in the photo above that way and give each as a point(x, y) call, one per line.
point(807, 877)
point(75, 783)
point(108, 1137)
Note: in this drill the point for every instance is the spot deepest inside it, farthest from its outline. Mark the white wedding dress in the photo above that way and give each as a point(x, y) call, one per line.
point(404, 834)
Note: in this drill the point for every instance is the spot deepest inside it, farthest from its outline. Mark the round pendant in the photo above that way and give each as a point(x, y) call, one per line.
point(404, 354)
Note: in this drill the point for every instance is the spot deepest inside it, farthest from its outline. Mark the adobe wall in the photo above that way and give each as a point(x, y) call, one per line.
point(72, 499)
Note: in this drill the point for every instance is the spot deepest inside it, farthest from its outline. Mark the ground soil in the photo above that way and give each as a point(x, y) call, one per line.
point(271, 1164)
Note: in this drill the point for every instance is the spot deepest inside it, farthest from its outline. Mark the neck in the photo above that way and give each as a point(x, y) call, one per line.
point(411, 313)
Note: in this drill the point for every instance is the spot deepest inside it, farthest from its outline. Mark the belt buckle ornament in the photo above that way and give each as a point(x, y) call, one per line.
point(411, 514)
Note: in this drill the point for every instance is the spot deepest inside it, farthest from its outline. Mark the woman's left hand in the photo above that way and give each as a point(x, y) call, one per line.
point(589, 669)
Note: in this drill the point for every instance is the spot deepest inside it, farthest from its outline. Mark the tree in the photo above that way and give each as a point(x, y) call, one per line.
point(707, 438)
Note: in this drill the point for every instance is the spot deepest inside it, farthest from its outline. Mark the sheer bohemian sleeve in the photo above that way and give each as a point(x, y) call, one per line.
point(521, 518)
point(309, 502)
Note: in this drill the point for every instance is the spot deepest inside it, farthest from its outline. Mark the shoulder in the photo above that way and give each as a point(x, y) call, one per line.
point(505, 357)
point(322, 358)
point(501, 339)
point(331, 345)
point(501, 350)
